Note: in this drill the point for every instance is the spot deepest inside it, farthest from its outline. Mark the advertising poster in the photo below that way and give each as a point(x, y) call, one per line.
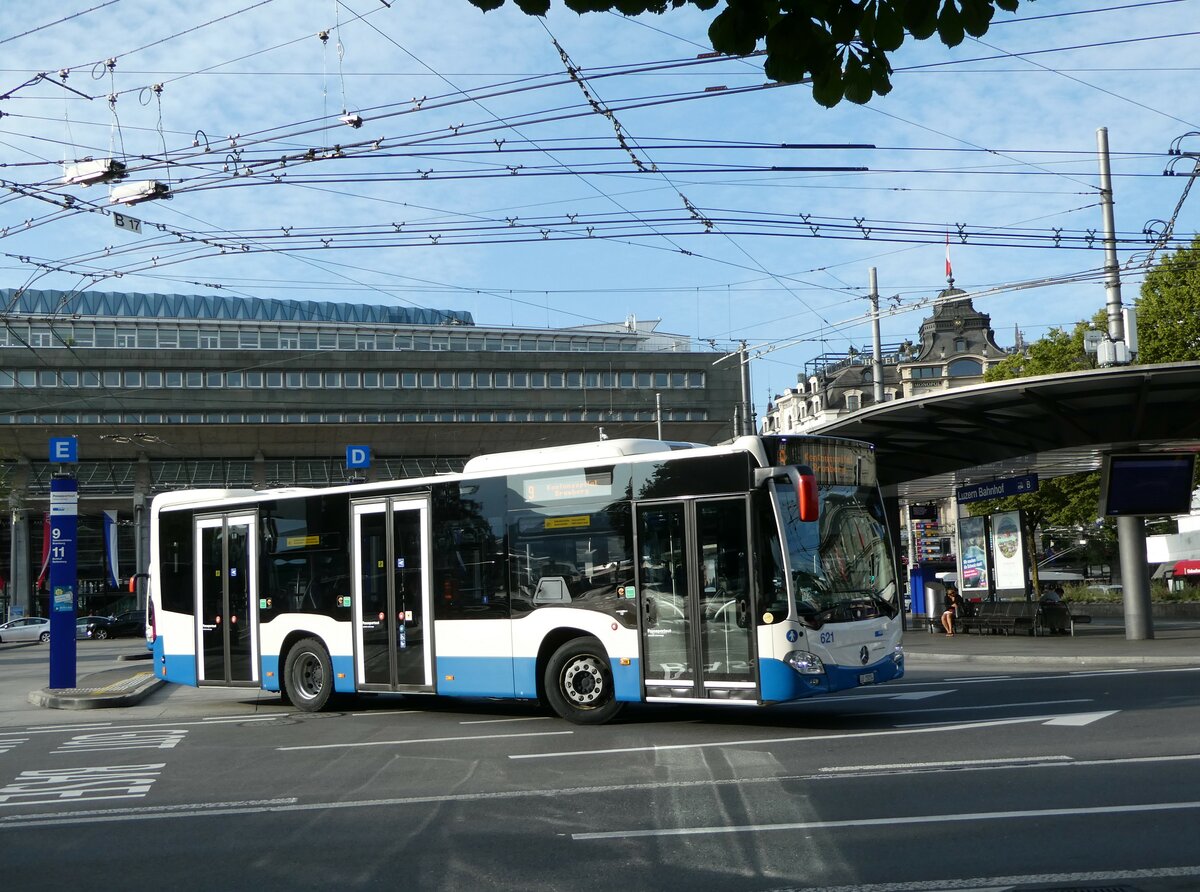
point(1009, 556)
point(972, 546)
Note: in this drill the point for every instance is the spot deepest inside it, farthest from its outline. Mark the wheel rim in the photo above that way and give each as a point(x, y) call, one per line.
point(583, 682)
point(102, 634)
point(309, 676)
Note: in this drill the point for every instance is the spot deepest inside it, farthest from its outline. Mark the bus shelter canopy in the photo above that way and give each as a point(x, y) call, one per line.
point(1054, 425)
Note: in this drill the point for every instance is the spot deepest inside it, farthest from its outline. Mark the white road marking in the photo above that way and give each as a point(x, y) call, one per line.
point(764, 741)
point(141, 814)
point(1092, 879)
point(293, 805)
point(109, 726)
point(894, 820)
point(1078, 719)
point(387, 712)
point(961, 763)
point(532, 718)
point(415, 740)
point(59, 785)
point(968, 708)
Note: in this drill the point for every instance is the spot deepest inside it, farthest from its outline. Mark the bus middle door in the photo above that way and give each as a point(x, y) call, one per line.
point(393, 613)
point(697, 611)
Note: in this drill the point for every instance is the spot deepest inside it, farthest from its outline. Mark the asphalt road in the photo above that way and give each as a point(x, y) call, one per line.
point(950, 779)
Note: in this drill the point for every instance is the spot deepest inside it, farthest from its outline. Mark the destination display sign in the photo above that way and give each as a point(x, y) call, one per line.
point(997, 489)
point(837, 464)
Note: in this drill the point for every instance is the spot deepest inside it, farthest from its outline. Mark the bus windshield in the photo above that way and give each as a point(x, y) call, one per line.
point(841, 568)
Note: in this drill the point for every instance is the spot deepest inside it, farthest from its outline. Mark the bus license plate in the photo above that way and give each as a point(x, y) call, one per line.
point(866, 678)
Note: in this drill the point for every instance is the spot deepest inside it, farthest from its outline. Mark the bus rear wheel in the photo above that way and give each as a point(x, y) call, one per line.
point(579, 684)
point(308, 676)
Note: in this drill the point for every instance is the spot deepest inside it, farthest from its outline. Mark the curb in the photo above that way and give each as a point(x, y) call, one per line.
point(126, 692)
point(910, 657)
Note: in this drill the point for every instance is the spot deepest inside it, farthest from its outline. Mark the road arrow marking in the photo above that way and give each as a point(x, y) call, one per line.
point(771, 741)
point(1081, 719)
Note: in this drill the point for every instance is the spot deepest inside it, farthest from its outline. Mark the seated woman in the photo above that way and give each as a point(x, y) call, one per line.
point(953, 606)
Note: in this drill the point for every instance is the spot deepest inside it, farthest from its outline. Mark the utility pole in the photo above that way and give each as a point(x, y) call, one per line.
point(1114, 350)
point(877, 348)
point(747, 426)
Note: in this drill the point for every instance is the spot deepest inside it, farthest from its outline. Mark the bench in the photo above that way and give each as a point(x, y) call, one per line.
point(1060, 615)
point(1005, 617)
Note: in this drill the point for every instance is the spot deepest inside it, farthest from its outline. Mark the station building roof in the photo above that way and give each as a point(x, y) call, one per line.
point(218, 307)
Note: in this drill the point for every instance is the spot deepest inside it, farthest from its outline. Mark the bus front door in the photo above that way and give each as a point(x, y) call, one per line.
point(227, 605)
point(697, 614)
point(393, 614)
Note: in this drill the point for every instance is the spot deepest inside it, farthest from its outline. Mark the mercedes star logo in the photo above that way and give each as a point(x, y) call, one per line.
point(864, 655)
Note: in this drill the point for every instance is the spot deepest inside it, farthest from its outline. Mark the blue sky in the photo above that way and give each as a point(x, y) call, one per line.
point(484, 178)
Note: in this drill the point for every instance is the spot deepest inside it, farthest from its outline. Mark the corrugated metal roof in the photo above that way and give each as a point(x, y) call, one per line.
point(218, 307)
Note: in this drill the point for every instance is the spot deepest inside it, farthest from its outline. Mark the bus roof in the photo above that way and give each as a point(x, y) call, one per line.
point(602, 450)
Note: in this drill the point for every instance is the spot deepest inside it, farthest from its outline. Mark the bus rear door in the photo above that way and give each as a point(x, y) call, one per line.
point(227, 602)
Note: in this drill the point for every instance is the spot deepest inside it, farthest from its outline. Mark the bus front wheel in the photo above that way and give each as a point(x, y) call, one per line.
point(579, 683)
point(308, 676)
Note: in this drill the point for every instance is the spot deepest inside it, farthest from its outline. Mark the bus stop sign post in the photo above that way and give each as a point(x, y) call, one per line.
point(64, 511)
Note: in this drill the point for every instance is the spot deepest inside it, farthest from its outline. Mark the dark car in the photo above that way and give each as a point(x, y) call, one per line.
point(123, 625)
point(86, 626)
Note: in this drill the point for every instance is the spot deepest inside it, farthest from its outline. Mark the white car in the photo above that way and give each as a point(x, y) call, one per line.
point(29, 628)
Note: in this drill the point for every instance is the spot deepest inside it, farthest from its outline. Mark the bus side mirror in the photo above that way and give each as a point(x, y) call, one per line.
point(807, 495)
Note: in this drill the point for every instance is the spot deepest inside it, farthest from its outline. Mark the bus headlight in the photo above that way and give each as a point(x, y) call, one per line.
point(805, 663)
point(898, 655)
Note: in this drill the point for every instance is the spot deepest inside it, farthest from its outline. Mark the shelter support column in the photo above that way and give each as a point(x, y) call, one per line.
point(20, 579)
point(1135, 581)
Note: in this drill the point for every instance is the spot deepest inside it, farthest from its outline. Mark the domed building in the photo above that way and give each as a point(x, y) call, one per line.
point(956, 345)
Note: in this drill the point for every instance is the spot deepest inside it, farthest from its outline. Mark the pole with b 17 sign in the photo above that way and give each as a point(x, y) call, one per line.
point(64, 512)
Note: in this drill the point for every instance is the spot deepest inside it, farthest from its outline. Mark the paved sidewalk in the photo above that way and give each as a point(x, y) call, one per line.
point(1100, 643)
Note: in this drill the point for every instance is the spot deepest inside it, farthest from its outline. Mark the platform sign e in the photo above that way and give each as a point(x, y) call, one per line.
point(64, 450)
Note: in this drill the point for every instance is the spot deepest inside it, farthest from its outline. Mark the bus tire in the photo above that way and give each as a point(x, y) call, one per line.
point(579, 685)
point(308, 676)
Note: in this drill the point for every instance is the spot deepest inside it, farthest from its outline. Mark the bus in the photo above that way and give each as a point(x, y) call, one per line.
point(756, 572)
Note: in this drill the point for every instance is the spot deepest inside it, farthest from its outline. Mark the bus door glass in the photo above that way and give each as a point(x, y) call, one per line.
point(696, 599)
point(392, 610)
point(227, 603)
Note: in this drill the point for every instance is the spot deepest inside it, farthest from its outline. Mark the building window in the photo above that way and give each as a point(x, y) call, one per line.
point(853, 402)
point(927, 372)
point(965, 368)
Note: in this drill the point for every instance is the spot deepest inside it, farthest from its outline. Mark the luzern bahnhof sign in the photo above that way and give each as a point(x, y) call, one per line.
point(997, 489)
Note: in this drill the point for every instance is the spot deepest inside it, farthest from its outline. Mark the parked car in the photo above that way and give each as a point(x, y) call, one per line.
point(123, 625)
point(92, 626)
point(28, 628)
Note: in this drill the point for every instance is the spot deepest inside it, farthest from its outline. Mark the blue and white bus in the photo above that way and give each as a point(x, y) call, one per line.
point(756, 572)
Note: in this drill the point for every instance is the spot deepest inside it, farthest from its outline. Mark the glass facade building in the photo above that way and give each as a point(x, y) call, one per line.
point(171, 391)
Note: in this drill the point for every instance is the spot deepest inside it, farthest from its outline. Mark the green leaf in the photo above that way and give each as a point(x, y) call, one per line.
point(487, 5)
point(949, 25)
point(735, 32)
point(920, 17)
point(857, 81)
point(533, 7)
point(889, 28)
point(827, 86)
point(976, 16)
